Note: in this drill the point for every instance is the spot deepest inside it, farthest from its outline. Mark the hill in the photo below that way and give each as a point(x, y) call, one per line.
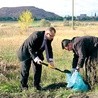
point(12, 13)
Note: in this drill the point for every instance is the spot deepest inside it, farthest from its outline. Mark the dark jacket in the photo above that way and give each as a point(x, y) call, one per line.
point(83, 47)
point(31, 47)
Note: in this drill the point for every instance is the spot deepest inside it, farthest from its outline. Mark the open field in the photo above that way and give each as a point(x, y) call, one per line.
point(54, 81)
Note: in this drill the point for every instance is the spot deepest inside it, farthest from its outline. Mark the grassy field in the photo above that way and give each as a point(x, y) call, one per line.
point(54, 81)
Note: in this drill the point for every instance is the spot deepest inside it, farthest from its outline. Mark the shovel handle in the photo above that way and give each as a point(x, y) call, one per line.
point(44, 63)
point(53, 68)
point(48, 65)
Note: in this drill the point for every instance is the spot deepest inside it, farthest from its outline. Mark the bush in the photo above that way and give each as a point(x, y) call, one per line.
point(45, 23)
point(66, 23)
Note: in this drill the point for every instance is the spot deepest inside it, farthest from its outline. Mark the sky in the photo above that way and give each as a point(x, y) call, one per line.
point(60, 7)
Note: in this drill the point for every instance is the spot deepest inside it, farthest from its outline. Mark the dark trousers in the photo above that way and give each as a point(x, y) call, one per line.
point(25, 72)
point(91, 68)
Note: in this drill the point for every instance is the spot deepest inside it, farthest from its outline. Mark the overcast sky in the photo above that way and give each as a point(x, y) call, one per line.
point(60, 7)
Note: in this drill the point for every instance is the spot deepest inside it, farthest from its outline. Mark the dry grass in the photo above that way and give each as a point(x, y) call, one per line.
point(11, 38)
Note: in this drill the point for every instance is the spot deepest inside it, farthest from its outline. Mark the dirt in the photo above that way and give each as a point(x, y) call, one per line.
point(89, 95)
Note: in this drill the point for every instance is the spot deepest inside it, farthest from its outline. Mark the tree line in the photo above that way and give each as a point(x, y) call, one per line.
point(87, 18)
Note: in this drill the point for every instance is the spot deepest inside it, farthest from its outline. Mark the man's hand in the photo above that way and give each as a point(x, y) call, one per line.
point(78, 68)
point(37, 60)
point(73, 70)
point(81, 70)
point(51, 65)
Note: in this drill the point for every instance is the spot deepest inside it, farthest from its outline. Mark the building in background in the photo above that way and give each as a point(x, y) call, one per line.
point(82, 17)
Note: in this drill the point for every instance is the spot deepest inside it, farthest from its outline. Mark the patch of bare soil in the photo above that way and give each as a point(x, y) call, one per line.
point(89, 95)
point(34, 95)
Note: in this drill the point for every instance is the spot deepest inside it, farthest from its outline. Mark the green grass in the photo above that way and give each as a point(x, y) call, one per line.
point(51, 79)
point(8, 55)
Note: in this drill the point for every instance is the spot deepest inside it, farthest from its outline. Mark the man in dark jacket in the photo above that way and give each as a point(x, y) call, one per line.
point(82, 47)
point(31, 51)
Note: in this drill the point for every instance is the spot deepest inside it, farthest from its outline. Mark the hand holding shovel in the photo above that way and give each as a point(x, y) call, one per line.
point(50, 66)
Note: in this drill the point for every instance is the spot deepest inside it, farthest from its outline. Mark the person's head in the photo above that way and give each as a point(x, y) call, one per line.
point(67, 44)
point(50, 33)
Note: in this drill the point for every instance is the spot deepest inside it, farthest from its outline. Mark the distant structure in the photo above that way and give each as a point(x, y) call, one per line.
point(95, 15)
point(82, 16)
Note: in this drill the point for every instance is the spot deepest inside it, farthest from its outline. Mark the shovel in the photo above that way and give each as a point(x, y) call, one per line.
point(48, 65)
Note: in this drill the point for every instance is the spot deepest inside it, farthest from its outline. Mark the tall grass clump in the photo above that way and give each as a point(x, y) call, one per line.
point(45, 23)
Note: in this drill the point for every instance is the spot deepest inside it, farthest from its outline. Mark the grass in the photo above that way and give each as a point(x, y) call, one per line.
point(52, 80)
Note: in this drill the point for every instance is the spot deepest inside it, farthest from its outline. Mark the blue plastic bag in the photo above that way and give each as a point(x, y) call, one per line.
point(75, 81)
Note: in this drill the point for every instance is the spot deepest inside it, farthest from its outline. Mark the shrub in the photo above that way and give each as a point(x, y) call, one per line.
point(45, 23)
point(66, 23)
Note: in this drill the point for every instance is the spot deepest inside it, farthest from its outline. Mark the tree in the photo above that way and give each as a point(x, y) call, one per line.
point(25, 19)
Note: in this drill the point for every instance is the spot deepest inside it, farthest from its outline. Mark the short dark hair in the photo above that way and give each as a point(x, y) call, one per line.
point(52, 29)
point(65, 42)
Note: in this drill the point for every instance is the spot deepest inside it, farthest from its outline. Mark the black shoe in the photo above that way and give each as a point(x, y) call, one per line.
point(24, 88)
point(38, 87)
